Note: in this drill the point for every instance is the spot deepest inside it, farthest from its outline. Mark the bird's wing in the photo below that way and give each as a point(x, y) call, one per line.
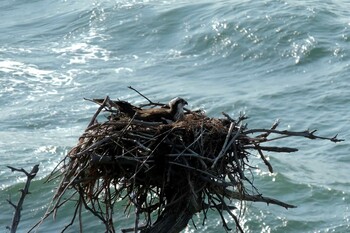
point(126, 107)
point(154, 114)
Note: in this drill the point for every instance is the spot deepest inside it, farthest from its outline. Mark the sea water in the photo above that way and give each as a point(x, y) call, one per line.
point(268, 59)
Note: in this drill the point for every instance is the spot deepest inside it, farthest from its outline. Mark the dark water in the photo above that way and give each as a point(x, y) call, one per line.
point(269, 59)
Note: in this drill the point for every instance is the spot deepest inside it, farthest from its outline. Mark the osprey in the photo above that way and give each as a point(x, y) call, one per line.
point(173, 112)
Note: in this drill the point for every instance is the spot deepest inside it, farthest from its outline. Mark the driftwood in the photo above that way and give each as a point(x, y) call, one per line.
point(165, 173)
point(18, 208)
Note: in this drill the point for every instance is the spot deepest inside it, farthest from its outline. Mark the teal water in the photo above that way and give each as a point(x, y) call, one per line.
point(270, 59)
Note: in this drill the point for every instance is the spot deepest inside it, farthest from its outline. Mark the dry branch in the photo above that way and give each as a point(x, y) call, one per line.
point(18, 208)
point(166, 172)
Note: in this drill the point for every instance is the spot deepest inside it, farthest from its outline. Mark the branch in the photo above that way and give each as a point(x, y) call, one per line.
point(226, 146)
point(17, 216)
point(93, 119)
point(272, 148)
point(267, 163)
point(307, 134)
point(253, 198)
point(150, 101)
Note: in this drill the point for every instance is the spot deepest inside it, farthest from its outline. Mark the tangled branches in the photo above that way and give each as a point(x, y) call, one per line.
point(166, 172)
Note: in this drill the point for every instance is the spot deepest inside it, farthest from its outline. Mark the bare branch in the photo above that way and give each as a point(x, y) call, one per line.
point(150, 101)
point(18, 208)
point(307, 134)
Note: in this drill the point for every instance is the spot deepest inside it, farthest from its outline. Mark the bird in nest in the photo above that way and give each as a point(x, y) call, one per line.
point(172, 112)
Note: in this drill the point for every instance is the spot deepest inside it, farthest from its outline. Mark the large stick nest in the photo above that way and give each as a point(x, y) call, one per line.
point(165, 172)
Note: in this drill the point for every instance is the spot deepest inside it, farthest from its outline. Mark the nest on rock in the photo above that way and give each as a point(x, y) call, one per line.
point(167, 171)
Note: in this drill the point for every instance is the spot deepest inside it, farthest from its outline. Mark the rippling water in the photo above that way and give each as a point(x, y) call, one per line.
point(269, 59)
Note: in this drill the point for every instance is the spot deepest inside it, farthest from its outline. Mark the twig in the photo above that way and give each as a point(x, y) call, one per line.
point(150, 101)
point(227, 145)
point(228, 210)
point(49, 212)
point(272, 148)
point(228, 117)
point(17, 216)
point(223, 150)
point(253, 198)
point(307, 134)
point(274, 126)
point(267, 163)
point(90, 148)
point(241, 117)
point(93, 119)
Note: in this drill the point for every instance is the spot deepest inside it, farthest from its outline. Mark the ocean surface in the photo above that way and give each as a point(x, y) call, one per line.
point(287, 60)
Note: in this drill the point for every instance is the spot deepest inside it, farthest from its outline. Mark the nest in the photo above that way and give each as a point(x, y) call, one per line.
point(165, 172)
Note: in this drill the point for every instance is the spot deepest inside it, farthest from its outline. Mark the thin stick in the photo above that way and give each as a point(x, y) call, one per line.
point(222, 152)
point(253, 198)
point(307, 134)
point(267, 163)
point(92, 121)
point(150, 101)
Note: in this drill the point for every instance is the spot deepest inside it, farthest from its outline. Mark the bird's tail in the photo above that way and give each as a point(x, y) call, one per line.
point(126, 107)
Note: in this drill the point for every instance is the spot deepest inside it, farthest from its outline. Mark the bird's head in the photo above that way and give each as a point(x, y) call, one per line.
point(177, 102)
point(176, 105)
